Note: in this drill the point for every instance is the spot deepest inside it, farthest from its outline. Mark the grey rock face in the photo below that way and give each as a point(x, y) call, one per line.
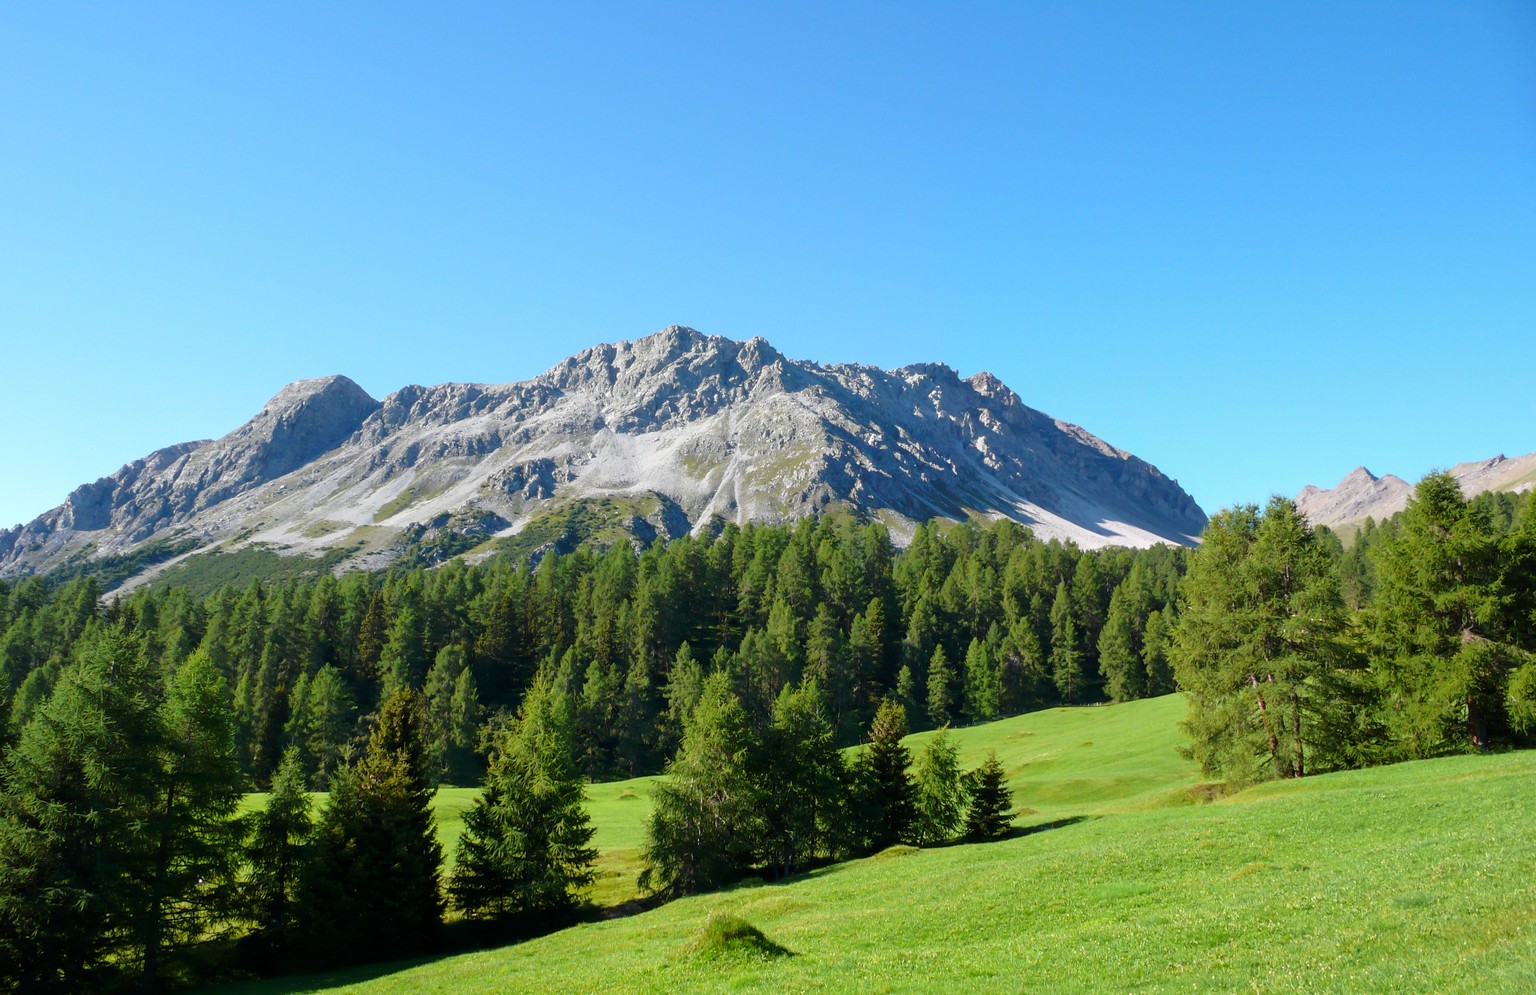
point(703, 427)
point(1361, 494)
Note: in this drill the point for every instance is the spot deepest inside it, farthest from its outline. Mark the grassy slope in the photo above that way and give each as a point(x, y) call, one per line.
point(1418, 877)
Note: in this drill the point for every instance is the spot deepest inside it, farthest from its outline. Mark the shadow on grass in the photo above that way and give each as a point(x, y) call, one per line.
point(457, 938)
point(1041, 827)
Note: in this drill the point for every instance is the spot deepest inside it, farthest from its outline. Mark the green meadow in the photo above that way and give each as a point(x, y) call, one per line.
point(1415, 877)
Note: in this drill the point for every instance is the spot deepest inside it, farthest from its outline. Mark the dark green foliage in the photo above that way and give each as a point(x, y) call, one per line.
point(276, 855)
point(453, 712)
point(110, 571)
point(320, 726)
point(525, 851)
point(990, 812)
point(941, 689)
point(205, 573)
point(370, 884)
point(1125, 677)
point(192, 829)
point(1069, 670)
point(118, 842)
point(73, 854)
point(882, 802)
point(812, 626)
point(311, 658)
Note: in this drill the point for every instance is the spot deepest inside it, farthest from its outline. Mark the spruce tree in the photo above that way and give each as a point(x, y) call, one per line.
point(525, 850)
point(883, 793)
point(275, 855)
point(989, 815)
point(370, 887)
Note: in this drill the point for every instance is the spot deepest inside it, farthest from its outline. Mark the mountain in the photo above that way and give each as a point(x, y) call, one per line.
point(654, 438)
point(1361, 494)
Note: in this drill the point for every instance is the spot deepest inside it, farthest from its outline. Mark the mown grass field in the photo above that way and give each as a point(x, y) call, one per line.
point(1417, 877)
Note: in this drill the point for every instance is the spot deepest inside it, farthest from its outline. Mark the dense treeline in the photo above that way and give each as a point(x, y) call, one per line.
point(969, 623)
point(1299, 656)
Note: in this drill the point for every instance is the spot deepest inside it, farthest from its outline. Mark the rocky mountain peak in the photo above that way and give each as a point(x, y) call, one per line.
point(673, 432)
point(1359, 475)
point(335, 390)
point(989, 386)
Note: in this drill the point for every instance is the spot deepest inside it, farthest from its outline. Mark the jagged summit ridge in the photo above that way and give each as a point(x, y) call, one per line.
point(1361, 494)
point(685, 428)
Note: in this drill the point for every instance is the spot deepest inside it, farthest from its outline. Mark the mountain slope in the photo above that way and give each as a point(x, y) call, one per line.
point(654, 438)
point(1361, 494)
point(1381, 879)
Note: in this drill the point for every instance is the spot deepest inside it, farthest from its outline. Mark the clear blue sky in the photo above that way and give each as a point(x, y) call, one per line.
point(1255, 244)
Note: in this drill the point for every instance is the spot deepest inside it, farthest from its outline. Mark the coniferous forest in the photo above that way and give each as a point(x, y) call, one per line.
point(740, 664)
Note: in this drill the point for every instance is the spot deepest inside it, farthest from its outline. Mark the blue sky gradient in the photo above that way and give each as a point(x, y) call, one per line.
point(1255, 244)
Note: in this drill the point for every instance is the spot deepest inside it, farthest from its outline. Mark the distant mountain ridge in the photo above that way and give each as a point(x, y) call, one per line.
point(656, 437)
point(1362, 494)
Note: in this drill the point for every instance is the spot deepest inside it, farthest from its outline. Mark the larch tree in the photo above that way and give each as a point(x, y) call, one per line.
point(799, 780)
point(74, 794)
point(1125, 677)
point(1259, 648)
point(1443, 623)
point(1069, 670)
point(704, 827)
point(941, 688)
point(938, 795)
point(193, 830)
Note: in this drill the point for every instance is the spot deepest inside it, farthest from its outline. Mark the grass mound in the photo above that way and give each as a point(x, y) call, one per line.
point(725, 935)
point(899, 850)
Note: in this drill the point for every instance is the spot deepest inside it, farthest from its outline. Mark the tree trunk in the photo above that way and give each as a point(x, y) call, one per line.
point(1298, 763)
point(1269, 725)
point(1477, 725)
